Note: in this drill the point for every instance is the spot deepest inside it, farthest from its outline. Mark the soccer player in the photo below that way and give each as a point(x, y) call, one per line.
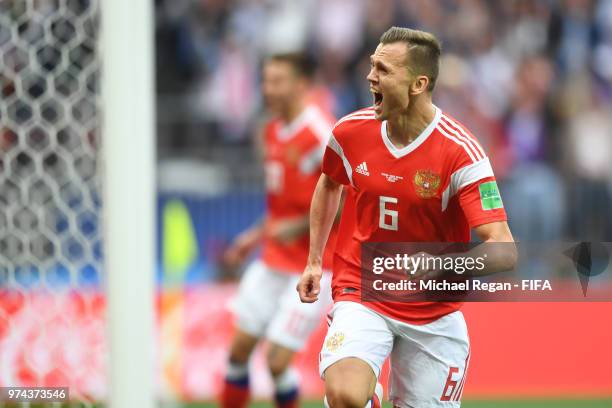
point(414, 174)
point(266, 305)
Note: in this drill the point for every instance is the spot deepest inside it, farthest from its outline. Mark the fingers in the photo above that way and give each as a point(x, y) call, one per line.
point(308, 290)
point(306, 296)
point(309, 299)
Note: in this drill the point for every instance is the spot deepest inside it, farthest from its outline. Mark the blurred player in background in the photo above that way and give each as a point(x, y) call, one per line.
point(415, 175)
point(266, 305)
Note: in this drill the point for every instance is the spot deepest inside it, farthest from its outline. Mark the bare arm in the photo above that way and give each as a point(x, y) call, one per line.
point(497, 251)
point(500, 258)
point(323, 212)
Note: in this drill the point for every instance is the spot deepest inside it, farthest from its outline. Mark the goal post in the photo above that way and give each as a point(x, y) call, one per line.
point(128, 169)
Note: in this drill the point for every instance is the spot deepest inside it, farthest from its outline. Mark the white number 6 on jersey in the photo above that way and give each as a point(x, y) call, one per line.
point(385, 212)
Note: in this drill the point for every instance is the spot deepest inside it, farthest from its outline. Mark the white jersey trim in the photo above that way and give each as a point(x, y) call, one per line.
point(321, 128)
point(397, 153)
point(465, 176)
point(472, 139)
point(312, 160)
point(365, 113)
point(469, 144)
point(320, 125)
point(310, 117)
point(454, 138)
point(369, 109)
point(365, 116)
point(335, 146)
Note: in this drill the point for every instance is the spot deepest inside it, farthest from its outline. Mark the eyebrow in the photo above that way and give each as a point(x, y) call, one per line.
point(378, 62)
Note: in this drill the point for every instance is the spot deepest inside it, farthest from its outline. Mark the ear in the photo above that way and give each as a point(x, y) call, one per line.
point(419, 85)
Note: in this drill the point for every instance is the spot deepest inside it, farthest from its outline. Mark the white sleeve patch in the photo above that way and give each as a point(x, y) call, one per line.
point(465, 176)
point(335, 146)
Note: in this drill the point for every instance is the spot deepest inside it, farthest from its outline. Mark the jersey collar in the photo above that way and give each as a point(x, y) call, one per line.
point(397, 153)
point(286, 131)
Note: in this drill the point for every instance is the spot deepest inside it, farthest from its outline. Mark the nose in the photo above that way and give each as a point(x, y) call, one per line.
point(372, 78)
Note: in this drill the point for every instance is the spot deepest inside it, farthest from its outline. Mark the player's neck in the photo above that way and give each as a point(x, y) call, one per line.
point(293, 111)
point(404, 128)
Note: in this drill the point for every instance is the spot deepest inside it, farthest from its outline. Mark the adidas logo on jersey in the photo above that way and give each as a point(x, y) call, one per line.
point(362, 169)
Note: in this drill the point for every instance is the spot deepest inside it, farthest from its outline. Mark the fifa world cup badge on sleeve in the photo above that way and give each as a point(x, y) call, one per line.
point(489, 196)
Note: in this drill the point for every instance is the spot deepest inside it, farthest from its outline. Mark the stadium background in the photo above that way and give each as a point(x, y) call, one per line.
point(532, 79)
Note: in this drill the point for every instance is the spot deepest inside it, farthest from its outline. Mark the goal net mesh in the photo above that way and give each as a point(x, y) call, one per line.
point(51, 305)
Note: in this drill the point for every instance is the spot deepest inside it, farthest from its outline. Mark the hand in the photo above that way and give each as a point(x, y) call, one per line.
point(240, 249)
point(309, 285)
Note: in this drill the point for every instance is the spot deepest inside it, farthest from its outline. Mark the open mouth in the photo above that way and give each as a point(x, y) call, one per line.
point(378, 99)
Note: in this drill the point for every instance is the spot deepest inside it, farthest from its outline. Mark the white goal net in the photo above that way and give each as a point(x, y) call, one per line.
point(51, 303)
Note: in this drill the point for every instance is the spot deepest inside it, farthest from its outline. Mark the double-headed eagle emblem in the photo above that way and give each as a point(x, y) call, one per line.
point(426, 183)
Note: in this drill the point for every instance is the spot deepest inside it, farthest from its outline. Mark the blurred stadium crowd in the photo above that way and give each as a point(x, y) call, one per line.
point(532, 79)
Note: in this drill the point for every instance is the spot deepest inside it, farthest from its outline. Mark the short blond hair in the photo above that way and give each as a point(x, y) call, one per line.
point(424, 51)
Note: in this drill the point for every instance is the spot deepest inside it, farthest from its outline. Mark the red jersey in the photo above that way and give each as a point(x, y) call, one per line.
point(433, 190)
point(292, 160)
